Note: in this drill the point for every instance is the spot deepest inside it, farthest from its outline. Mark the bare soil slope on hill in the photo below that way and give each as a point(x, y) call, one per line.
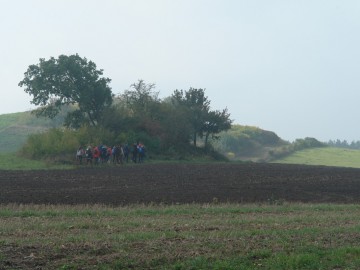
point(182, 183)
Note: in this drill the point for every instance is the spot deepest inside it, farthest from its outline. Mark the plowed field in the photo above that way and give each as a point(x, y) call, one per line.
point(182, 183)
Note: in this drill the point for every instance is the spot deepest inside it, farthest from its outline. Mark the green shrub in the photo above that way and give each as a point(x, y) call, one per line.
point(52, 142)
point(63, 142)
point(59, 145)
point(301, 144)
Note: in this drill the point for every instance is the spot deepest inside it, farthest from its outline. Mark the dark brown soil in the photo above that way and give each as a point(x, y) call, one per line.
point(182, 183)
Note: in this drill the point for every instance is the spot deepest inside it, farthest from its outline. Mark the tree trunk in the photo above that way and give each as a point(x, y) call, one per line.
point(206, 139)
point(91, 119)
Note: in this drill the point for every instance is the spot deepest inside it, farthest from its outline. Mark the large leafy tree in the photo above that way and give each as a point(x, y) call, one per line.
point(216, 122)
point(141, 99)
point(144, 105)
point(203, 121)
point(197, 105)
point(68, 80)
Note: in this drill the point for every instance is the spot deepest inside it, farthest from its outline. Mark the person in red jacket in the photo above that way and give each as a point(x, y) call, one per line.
point(96, 155)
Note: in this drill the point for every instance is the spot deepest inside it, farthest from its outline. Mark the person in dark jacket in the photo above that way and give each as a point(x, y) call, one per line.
point(134, 152)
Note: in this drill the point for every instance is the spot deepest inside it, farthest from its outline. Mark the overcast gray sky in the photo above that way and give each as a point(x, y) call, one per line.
point(291, 67)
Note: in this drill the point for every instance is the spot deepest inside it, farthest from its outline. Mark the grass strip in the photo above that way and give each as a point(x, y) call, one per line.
point(210, 236)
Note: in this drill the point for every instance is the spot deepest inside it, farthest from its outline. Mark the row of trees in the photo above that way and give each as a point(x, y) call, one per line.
point(344, 144)
point(138, 113)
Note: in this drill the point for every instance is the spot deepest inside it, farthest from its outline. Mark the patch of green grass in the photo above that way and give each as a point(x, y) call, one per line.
point(328, 156)
point(210, 236)
point(266, 259)
point(13, 161)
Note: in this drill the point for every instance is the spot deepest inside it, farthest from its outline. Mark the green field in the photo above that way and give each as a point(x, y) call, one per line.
point(328, 156)
point(229, 236)
point(13, 161)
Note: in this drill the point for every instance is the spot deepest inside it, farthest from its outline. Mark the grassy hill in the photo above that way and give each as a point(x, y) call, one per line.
point(16, 127)
point(328, 156)
point(249, 143)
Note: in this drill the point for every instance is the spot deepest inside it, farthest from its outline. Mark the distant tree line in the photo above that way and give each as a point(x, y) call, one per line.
point(297, 145)
point(179, 123)
point(344, 144)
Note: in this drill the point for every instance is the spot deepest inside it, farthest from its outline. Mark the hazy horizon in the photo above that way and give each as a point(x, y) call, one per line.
point(285, 66)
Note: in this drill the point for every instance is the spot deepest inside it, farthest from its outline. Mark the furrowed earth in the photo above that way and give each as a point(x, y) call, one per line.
point(165, 184)
point(182, 183)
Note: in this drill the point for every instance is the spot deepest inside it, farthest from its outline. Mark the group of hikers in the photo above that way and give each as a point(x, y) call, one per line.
point(118, 154)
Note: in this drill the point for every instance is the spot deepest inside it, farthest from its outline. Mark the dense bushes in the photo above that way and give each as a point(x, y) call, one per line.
point(50, 143)
point(246, 140)
point(297, 145)
point(166, 127)
point(62, 143)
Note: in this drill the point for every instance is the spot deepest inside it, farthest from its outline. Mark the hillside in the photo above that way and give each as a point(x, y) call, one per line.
point(16, 127)
point(327, 156)
point(249, 143)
